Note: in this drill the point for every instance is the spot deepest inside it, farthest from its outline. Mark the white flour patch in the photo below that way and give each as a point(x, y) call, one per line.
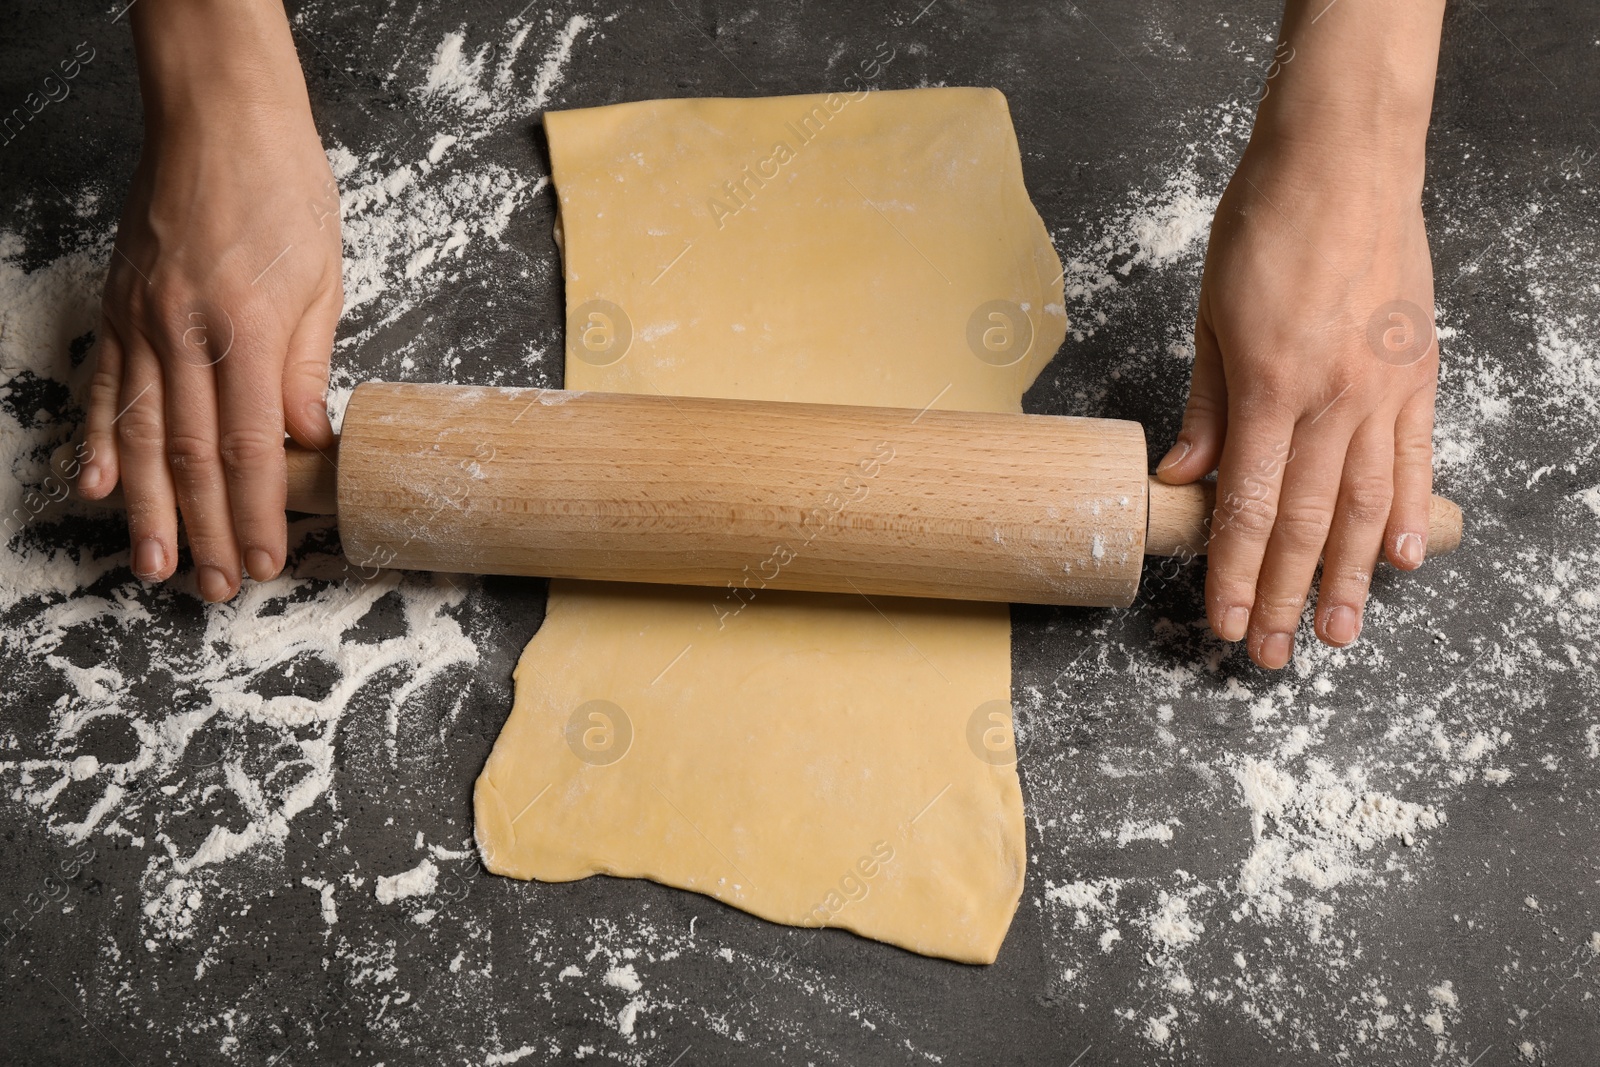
point(1161, 229)
point(410, 222)
point(1131, 831)
point(1315, 830)
point(404, 234)
point(555, 60)
point(418, 881)
point(624, 977)
point(628, 1016)
point(1171, 926)
point(454, 77)
point(330, 911)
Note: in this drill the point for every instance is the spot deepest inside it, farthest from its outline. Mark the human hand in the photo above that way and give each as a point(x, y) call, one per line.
point(222, 297)
point(1312, 393)
point(1316, 361)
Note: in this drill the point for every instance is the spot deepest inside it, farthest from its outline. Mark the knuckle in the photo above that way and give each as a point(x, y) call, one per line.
point(236, 306)
point(121, 300)
point(1247, 518)
point(1349, 379)
point(307, 375)
point(1272, 395)
point(1302, 529)
point(1203, 407)
point(138, 431)
point(191, 457)
point(165, 310)
point(211, 550)
point(1280, 604)
point(248, 448)
point(1414, 450)
point(104, 382)
point(1345, 582)
point(1366, 502)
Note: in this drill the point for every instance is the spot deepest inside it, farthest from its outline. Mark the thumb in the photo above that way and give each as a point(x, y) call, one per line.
point(305, 373)
point(1205, 420)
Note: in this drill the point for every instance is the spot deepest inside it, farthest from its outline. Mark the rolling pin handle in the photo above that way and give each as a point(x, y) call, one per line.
point(312, 478)
point(1180, 520)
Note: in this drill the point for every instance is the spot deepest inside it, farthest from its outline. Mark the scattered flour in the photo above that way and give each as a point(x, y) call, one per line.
point(555, 60)
point(624, 978)
point(1172, 926)
point(1315, 829)
point(330, 913)
point(418, 881)
point(1131, 831)
point(629, 1015)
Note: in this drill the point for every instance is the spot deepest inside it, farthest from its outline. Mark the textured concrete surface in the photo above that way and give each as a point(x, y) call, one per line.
point(1386, 854)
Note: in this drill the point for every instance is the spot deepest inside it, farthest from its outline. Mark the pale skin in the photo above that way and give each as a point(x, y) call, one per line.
point(1322, 449)
point(224, 292)
point(222, 296)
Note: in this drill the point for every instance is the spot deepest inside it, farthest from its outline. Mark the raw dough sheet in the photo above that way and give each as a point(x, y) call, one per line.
point(815, 760)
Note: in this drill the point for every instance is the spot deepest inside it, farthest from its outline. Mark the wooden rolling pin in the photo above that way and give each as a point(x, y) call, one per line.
point(751, 494)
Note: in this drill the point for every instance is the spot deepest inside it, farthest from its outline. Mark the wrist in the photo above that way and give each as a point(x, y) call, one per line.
point(1372, 133)
point(1351, 93)
point(1343, 165)
point(201, 63)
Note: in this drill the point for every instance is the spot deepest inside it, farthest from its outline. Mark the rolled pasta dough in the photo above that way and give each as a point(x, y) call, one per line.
point(816, 760)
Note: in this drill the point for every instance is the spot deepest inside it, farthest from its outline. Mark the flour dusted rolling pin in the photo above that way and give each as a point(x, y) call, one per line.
point(1026, 508)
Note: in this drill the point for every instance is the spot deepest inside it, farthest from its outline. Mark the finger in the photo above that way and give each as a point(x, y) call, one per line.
point(195, 459)
point(1366, 492)
point(250, 443)
point(98, 474)
point(305, 372)
point(1299, 533)
point(1407, 535)
point(1205, 419)
point(1248, 480)
point(141, 451)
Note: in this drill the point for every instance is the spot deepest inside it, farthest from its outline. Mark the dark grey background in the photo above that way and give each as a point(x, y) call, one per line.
point(1109, 99)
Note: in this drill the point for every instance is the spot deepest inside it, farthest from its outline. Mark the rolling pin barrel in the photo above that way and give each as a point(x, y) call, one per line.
point(694, 491)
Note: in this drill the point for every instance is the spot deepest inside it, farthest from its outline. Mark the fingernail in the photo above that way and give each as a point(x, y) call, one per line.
point(214, 585)
point(1234, 622)
point(316, 412)
point(89, 480)
point(148, 558)
point(1342, 625)
point(258, 561)
point(1275, 650)
point(1175, 455)
point(1409, 548)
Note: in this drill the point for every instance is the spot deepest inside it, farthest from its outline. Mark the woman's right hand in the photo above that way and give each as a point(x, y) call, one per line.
point(222, 297)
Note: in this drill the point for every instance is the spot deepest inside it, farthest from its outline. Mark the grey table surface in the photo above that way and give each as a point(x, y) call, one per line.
point(1385, 854)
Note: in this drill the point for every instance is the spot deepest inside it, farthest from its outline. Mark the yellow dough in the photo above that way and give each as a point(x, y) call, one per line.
point(815, 760)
